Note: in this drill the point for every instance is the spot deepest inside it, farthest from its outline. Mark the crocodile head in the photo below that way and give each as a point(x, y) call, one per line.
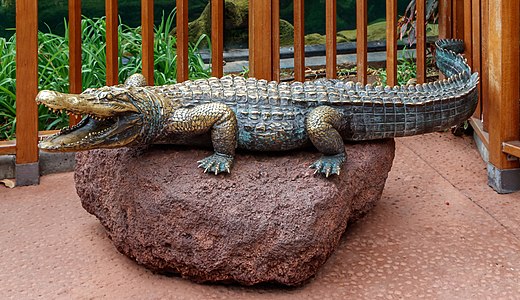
point(113, 117)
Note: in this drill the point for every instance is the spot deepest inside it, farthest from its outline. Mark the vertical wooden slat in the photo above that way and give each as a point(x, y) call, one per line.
point(331, 40)
point(275, 25)
point(260, 39)
point(182, 41)
point(111, 7)
point(391, 42)
point(299, 40)
point(217, 38)
point(484, 75)
point(27, 81)
point(421, 40)
point(504, 71)
point(476, 49)
point(361, 40)
point(468, 37)
point(445, 19)
point(458, 19)
point(75, 85)
point(147, 22)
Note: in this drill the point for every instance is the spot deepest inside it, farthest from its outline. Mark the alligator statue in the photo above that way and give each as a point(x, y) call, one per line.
point(246, 113)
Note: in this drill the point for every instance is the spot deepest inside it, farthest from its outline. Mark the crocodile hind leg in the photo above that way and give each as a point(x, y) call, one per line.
point(217, 118)
point(322, 125)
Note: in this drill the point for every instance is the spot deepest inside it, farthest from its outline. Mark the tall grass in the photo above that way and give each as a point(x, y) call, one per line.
point(53, 66)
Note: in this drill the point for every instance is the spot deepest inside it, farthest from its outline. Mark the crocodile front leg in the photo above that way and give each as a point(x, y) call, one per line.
point(322, 125)
point(217, 118)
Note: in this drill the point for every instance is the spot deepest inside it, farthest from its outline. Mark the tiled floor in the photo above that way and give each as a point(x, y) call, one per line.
point(439, 232)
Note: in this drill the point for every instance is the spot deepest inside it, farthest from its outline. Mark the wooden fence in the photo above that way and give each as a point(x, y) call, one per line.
point(492, 50)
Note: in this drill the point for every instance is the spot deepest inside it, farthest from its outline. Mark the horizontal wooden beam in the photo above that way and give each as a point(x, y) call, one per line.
point(478, 126)
point(7, 147)
point(512, 148)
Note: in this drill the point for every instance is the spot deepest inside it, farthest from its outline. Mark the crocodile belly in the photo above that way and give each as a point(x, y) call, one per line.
point(272, 136)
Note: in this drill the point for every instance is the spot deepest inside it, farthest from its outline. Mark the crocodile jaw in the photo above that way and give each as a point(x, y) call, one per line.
point(87, 104)
point(103, 126)
point(92, 134)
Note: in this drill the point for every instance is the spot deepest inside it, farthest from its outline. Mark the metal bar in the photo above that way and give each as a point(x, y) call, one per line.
point(217, 38)
point(182, 41)
point(147, 22)
point(504, 75)
point(391, 42)
point(421, 40)
point(111, 7)
point(27, 81)
point(362, 40)
point(299, 40)
point(331, 39)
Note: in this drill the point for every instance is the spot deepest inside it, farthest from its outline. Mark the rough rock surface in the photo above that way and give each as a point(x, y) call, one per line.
point(270, 220)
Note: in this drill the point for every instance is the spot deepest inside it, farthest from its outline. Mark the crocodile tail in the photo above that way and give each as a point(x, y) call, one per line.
point(448, 58)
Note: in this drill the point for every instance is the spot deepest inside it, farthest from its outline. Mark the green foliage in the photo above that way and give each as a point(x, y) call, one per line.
point(407, 24)
point(406, 70)
point(7, 86)
point(53, 67)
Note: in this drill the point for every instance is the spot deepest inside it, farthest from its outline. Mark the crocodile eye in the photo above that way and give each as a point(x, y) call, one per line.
point(109, 96)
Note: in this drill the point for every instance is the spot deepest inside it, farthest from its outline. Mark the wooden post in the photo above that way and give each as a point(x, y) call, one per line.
point(27, 170)
point(391, 42)
point(260, 39)
point(299, 40)
point(361, 40)
point(111, 7)
point(331, 39)
point(217, 38)
point(504, 76)
point(182, 41)
point(75, 84)
point(147, 22)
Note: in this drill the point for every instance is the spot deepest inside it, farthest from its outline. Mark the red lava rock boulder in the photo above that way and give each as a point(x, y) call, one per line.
point(270, 220)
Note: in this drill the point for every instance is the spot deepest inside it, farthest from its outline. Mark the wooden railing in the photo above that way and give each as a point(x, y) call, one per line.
point(467, 19)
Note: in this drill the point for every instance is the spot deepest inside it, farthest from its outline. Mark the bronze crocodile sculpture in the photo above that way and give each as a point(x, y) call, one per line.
point(235, 112)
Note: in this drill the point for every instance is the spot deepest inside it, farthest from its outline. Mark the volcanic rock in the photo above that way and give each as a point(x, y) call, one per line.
point(270, 220)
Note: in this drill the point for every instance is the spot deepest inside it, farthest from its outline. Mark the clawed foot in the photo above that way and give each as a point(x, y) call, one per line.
point(328, 165)
point(216, 163)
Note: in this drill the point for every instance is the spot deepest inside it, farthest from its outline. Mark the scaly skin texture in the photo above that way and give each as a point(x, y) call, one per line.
point(235, 112)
